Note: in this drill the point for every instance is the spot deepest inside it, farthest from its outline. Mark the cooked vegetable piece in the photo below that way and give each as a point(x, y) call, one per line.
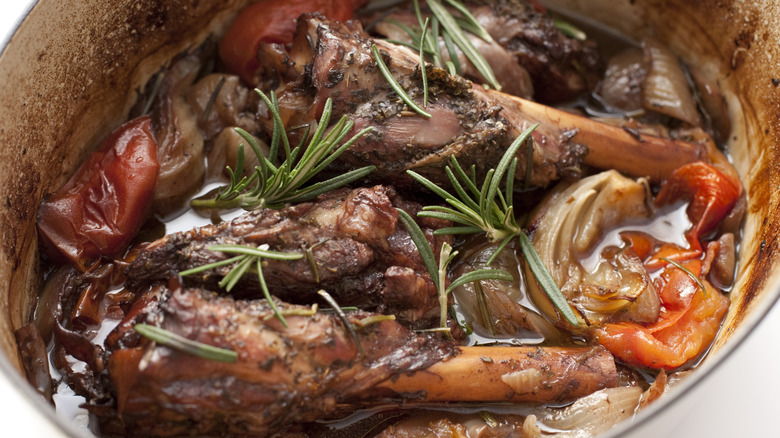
point(667, 89)
point(711, 194)
point(623, 80)
point(494, 308)
point(32, 351)
point(692, 308)
point(220, 102)
point(99, 210)
point(570, 224)
point(180, 142)
point(591, 415)
point(272, 21)
point(689, 320)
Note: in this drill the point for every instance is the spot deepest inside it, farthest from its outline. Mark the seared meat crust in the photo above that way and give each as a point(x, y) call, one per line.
point(354, 245)
point(561, 68)
point(311, 370)
point(334, 60)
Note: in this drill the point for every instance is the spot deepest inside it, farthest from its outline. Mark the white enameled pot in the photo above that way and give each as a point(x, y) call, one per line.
point(69, 74)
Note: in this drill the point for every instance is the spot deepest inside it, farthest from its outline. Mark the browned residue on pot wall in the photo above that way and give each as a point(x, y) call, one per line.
point(68, 78)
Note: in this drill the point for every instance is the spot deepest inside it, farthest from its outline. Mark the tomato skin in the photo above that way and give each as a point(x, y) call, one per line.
point(711, 193)
point(272, 21)
point(102, 206)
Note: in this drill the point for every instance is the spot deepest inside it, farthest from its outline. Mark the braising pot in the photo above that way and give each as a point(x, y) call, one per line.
point(71, 71)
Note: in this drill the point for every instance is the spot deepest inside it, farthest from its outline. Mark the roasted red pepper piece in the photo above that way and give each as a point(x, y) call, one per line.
point(102, 206)
point(652, 251)
point(272, 21)
point(711, 194)
point(689, 320)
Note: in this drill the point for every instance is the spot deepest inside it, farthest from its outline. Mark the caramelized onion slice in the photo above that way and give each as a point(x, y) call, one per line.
point(569, 225)
point(496, 308)
point(621, 87)
point(595, 413)
point(180, 142)
point(667, 89)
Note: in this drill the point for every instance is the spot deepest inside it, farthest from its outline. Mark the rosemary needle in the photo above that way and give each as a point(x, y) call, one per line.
point(180, 343)
point(343, 316)
point(422, 63)
point(688, 272)
point(394, 84)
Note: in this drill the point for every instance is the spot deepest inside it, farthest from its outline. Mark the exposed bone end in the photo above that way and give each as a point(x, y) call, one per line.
point(517, 374)
point(613, 147)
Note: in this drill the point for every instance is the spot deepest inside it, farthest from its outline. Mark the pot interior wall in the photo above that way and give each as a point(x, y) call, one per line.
point(68, 77)
point(72, 72)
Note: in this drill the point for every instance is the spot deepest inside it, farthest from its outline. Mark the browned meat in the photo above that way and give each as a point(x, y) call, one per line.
point(359, 253)
point(512, 77)
point(334, 60)
point(309, 371)
point(561, 68)
point(529, 55)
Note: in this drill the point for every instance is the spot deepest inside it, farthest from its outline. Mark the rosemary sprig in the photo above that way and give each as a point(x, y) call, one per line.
point(246, 258)
point(394, 84)
point(178, 342)
point(484, 208)
point(438, 270)
point(275, 184)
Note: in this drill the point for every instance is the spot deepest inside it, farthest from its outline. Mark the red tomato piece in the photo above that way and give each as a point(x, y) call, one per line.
point(710, 192)
point(102, 206)
point(688, 323)
point(652, 251)
point(272, 21)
